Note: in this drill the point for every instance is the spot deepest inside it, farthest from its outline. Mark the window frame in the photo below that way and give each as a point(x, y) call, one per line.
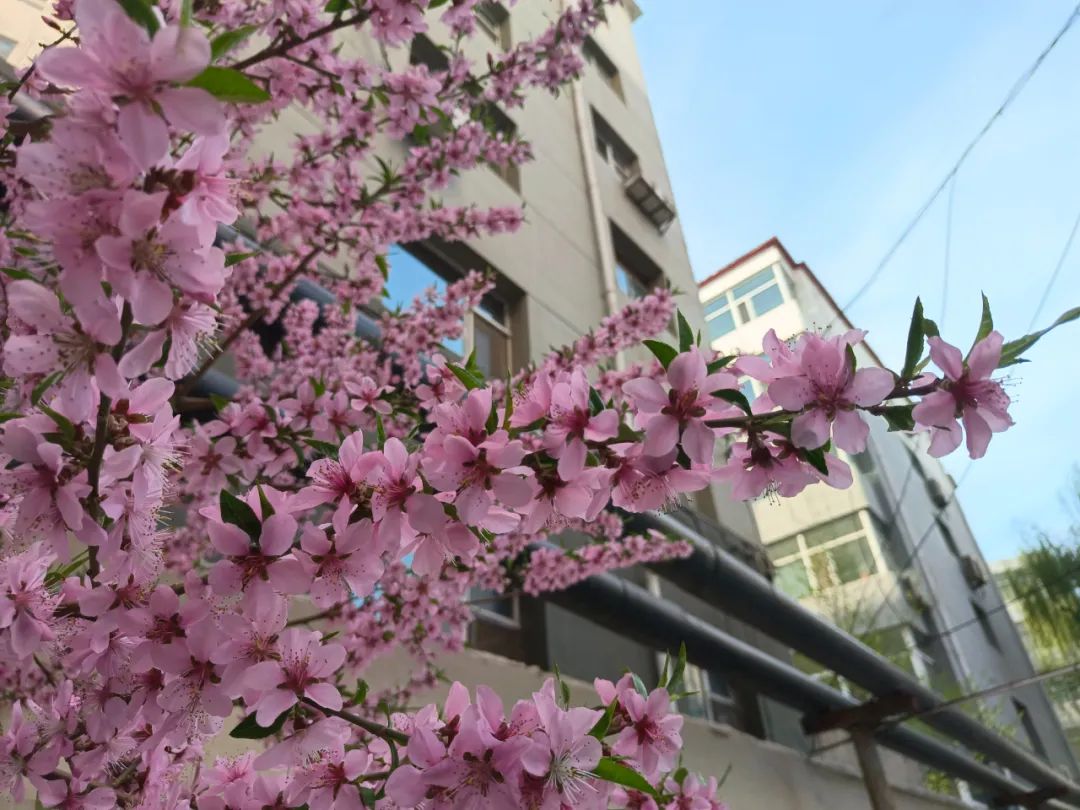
point(481, 613)
point(613, 149)
point(741, 307)
point(493, 18)
point(805, 553)
point(594, 55)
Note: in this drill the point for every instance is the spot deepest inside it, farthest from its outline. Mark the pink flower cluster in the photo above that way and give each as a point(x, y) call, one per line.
point(169, 560)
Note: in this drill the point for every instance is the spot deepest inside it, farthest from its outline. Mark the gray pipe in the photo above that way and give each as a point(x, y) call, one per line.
point(713, 575)
point(634, 613)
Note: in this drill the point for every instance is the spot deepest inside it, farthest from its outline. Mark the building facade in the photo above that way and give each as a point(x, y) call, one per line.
point(892, 558)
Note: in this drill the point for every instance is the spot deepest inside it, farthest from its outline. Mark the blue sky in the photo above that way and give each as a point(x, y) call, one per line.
point(828, 124)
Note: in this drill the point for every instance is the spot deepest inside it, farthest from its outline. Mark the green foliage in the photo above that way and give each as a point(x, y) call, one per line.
point(230, 85)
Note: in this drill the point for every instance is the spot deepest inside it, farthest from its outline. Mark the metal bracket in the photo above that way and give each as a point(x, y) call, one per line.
point(866, 716)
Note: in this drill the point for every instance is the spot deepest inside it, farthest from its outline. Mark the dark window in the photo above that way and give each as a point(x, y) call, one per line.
point(494, 20)
point(947, 536)
point(604, 66)
point(987, 628)
point(423, 51)
point(613, 149)
point(503, 125)
point(635, 273)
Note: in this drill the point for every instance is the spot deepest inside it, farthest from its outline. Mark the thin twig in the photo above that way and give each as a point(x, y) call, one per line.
point(378, 729)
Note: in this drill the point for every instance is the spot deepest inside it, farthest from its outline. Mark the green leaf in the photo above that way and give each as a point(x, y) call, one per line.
point(735, 397)
point(249, 729)
point(141, 12)
point(686, 334)
point(238, 513)
point(467, 378)
point(611, 770)
point(639, 685)
point(337, 6)
point(664, 353)
point(383, 265)
point(236, 258)
point(380, 429)
point(915, 340)
point(596, 402)
point(326, 449)
point(219, 402)
point(264, 504)
point(680, 670)
point(930, 329)
point(680, 776)
point(720, 363)
point(1011, 351)
point(604, 723)
point(43, 386)
point(508, 407)
point(229, 85)
point(986, 323)
point(816, 459)
point(225, 42)
point(67, 429)
point(899, 417)
point(185, 13)
point(17, 274)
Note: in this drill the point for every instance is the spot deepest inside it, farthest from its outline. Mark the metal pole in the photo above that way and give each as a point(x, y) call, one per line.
point(873, 772)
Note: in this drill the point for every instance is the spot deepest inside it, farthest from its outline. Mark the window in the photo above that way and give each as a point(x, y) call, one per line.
point(823, 557)
point(604, 66)
point(494, 20)
point(411, 277)
point(745, 301)
point(6, 47)
point(629, 284)
point(635, 273)
point(947, 536)
point(500, 608)
point(986, 626)
point(613, 149)
point(423, 51)
point(710, 697)
point(503, 125)
point(1029, 728)
point(490, 337)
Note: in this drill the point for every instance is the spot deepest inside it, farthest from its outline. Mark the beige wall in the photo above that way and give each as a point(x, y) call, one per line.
point(20, 20)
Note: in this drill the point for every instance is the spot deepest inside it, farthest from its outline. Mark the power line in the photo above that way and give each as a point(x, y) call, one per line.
point(1053, 276)
point(948, 253)
point(1015, 91)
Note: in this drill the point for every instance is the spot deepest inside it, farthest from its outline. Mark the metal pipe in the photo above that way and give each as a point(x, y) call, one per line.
point(634, 613)
point(721, 580)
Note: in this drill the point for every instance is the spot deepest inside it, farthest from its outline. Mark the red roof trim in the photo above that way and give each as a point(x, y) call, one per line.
point(774, 242)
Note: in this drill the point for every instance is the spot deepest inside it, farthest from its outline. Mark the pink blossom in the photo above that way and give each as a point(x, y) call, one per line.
point(562, 753)
point(967, 394)
point(118, 57)
point(267, 559)
point(342, 563)
point(338, 480)
point(26, 605)
point(652, 739)
point(303, 671)
point(827, 390)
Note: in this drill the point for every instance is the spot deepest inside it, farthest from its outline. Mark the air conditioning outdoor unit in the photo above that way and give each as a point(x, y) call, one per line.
point(975, 571)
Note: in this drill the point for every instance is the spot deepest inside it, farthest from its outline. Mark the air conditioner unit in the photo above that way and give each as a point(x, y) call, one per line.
point(914, 591)
point(937, 494)
point(975, 571)
point(649, 201)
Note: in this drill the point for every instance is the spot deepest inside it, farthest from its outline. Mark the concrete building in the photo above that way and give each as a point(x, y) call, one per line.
point(22, 33)
point(891, 559)
point(601, 228)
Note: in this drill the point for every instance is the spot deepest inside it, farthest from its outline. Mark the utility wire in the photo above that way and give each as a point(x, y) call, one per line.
point(1053, 276)
point(948, 254)
point(990, 691)
point(1015, 91)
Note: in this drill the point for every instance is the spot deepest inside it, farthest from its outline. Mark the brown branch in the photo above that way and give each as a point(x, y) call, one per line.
point(378, 729)
point(281, 49)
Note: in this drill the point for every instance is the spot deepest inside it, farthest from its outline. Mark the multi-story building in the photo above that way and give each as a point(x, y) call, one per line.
point(892, 558)
point(601, 229)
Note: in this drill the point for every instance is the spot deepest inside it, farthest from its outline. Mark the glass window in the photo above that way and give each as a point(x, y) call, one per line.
point(494, 20)
point(853, 560)
point(716, 304)
point(767, 299)
point(492, 347)
point(783, 548)
point(947, 536)
point(832, 530)
point(793, 580)
point(613, 149)
point(629, 283)
point(987, 628)
point(410, 278)
point(721, 325)
point(744, 288)
point(606, 68)
point(6, 47)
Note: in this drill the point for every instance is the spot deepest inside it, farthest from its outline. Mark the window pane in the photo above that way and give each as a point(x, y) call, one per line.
point(793, 580)
point(409, 279)
point(752, 283)
point(853, 560)
point(823, 574)
point(721, 325)
point(6, 47)
point(716, 304)
point(492, 350)
point(849, 524)
point(767, 299)
point(630, 284)
point(782, 548)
